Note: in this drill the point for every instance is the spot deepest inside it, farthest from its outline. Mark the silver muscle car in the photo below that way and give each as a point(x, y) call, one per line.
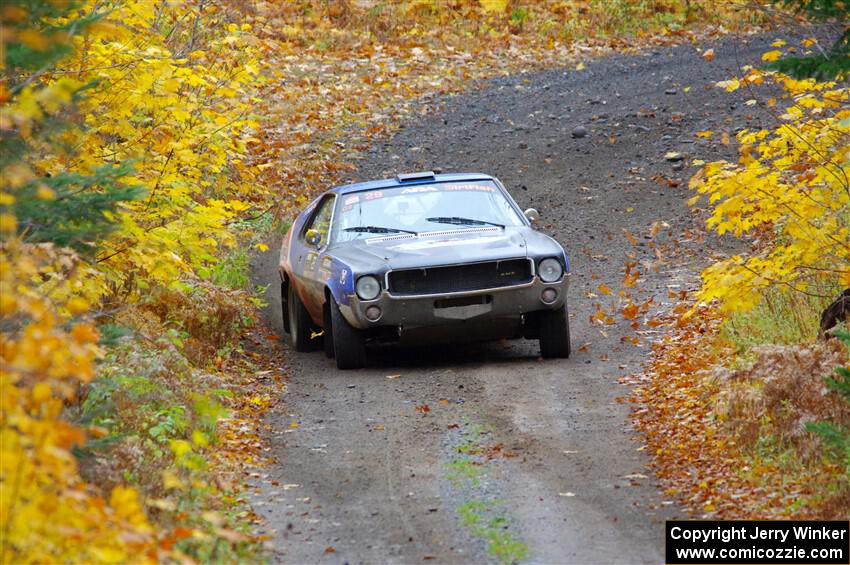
point(421, 258)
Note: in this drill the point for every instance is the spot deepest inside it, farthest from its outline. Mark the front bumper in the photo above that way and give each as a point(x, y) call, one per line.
point(422, 311)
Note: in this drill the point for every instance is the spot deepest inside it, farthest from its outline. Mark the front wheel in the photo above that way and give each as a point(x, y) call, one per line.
point(327, 333)
point(555, 334)
point(349, 344)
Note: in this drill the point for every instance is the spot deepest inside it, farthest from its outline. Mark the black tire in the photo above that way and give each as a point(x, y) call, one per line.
point(300, 325)
point(284, 305)
point(349, 344)
point(555, 334)
point(327, 333)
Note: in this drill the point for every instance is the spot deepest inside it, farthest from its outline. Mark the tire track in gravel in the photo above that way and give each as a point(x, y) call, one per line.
point(370, 469)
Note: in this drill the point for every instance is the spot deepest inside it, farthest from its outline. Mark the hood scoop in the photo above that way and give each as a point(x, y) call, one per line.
point(424, 235)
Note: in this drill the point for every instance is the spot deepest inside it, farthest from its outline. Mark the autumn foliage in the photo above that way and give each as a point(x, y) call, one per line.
point(144, 145)
point(744, 409)
point(123, 126)
point(790, 188)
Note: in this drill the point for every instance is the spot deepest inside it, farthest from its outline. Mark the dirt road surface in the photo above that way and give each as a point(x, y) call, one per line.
point(367, 475)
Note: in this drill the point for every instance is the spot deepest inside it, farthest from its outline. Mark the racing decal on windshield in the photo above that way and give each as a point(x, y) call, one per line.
point(351, 200)
point(419, 189)
point(477, 187)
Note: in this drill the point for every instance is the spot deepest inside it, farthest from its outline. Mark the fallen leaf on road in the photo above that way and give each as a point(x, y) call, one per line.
point(771, 56)
point(423, 409)
point(708, 55)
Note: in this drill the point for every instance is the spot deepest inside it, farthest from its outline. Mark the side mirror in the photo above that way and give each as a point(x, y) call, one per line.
point(313, 237)
point(532, 215)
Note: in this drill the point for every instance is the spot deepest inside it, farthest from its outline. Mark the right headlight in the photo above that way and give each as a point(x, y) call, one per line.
point(368, 287)
point(550, 270)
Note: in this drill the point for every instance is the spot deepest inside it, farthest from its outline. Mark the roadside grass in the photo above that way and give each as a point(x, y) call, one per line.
point(173, 412)
point(780, 319)
point(734, 439)
point(233, 271)
point(481, 514)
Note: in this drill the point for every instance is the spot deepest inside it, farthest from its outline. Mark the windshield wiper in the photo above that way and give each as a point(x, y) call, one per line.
point(378, 229)
point(458, 221)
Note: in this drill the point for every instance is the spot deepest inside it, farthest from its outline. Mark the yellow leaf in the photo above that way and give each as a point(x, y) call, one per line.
point(200, 439)
point(44, 192)
point(170, 480)
point(494, 6)
point(729, 85)
point(180, 447)
point(705, 133)
point(771, 56)
point(41, 393)
point(778, 43)
point(77, 306)
point(261, 247)
point(603, 288)
point(580, 67)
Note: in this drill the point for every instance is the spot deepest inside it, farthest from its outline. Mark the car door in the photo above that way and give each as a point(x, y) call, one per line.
point(314, 265)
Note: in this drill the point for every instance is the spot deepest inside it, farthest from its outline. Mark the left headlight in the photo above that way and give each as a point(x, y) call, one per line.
point(368, 288)
point(550, 270)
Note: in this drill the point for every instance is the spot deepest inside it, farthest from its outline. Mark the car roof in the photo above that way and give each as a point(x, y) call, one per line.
point(390, 183)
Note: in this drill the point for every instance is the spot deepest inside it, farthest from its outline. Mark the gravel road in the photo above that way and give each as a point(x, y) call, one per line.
point(369, 476)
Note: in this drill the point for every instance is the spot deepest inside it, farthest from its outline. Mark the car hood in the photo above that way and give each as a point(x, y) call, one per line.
point(446, 247)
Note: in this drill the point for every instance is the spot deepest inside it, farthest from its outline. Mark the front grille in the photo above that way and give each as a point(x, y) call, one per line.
point(459, 278)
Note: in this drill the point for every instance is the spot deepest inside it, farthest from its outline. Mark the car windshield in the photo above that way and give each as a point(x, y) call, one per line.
point(422, 208)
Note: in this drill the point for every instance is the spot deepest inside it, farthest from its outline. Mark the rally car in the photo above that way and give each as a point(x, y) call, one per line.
point(421, 258)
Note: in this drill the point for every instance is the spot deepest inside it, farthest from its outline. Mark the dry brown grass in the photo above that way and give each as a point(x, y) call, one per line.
point(210, 316)
point(782, 392)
